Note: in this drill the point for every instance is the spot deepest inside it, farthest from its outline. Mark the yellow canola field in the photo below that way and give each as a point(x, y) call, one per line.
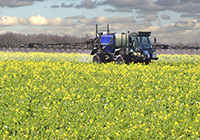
point(57, 96)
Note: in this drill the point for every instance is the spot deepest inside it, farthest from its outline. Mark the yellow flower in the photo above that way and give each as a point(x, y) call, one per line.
point(117, 133)
point(176, 123)
point(147, 129)
point(196, 120)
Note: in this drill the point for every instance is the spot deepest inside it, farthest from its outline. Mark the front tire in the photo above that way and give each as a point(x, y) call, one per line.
point(147, 61)
point(98, 58)
point(121, 59)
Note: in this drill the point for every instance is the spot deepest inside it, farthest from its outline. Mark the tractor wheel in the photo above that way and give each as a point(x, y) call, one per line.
point(121, 59)
point(147, 61)
point(98, 58)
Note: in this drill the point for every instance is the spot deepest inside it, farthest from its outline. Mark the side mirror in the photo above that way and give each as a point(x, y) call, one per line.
point(155, 40)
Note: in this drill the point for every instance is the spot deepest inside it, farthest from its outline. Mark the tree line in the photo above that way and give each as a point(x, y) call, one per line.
point(11, 38)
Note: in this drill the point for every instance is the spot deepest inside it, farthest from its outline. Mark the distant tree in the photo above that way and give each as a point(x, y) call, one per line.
point(197, 44)
point(10, 38)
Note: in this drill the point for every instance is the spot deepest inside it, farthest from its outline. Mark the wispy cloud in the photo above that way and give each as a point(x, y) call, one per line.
point(17, 3)
point(87, 4)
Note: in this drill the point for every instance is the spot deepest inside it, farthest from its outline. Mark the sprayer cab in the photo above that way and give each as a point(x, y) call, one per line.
point(123, 48)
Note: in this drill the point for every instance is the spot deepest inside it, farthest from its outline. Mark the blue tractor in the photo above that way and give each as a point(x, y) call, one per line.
point(122, 48)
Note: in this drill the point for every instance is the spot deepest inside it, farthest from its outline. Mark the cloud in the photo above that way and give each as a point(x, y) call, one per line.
point(186, 24)
point(190, 15)
point(151, 17)
point(76, 17)
point(34, 21)
point(87, 4)
point(55, 6)
point(187, 1)
point(8, 21)
point(184, 31)
point(33, 30)
point(3, 30)
point(131, 4)
point(102, 20)
point(186, 8)
point(159, 5)
point(124, 10)
point(67, 6)
point(164, 16)
point(37, 20)
point(179, 26)
point(168, 3)
point(16, 3)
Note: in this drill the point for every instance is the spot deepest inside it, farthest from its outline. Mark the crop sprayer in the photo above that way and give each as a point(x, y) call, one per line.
point(122, 48)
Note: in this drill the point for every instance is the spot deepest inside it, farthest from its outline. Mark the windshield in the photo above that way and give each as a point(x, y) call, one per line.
point(144, 42)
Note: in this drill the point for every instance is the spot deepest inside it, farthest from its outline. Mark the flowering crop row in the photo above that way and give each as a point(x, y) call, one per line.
point(55, 96)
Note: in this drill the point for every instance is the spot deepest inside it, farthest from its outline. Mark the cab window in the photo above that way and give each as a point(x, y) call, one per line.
point(133, 42)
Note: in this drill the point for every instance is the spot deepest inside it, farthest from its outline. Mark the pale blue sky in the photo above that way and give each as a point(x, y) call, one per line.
point(171, 21)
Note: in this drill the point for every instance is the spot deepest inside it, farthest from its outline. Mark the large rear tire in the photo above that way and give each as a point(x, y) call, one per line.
point(98, 58)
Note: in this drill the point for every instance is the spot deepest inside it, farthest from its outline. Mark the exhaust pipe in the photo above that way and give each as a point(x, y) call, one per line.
point(96, 30)
point(108, 28)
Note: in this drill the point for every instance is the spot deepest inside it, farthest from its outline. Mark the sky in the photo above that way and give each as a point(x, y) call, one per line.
point(170, 21)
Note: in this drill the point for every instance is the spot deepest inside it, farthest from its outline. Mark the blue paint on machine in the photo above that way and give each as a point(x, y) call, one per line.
point(108, 41)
